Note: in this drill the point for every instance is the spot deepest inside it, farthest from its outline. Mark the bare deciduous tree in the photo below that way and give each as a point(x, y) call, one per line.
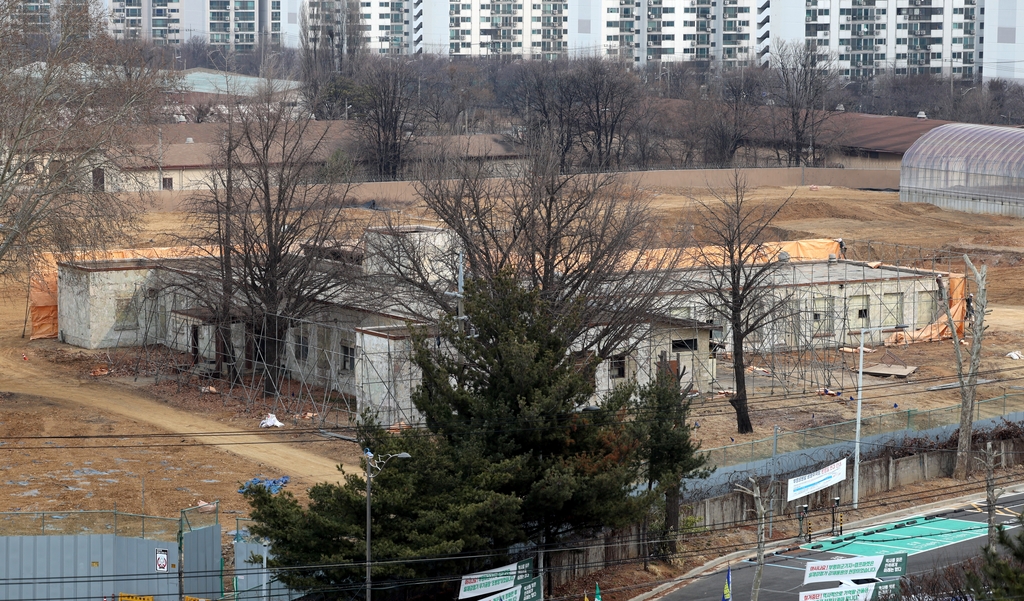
point(389, 113)
point(588, 242)
point(967, 376)
point(272, 216)
point(804, 86)
point(738, 268)
point(73, 100)
point(588, 110)
point(728, 117)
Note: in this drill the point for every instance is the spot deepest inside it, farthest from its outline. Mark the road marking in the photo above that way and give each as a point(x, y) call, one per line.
point(775, 565)
point(914, 538)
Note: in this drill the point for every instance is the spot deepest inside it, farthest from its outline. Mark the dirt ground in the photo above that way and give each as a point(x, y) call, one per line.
point(51, 412)
point(182, 448)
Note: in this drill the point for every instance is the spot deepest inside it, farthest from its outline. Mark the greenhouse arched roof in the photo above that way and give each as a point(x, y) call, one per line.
point(982, 149)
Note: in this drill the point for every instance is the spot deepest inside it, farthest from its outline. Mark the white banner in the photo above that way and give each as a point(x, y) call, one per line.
point(801, 486)
point(498, 579)
point(511, 594)
point(878, 566)
point(843, 593)
point(866, 592)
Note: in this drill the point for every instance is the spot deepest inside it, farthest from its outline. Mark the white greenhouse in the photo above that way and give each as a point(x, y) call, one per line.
point(966, 167)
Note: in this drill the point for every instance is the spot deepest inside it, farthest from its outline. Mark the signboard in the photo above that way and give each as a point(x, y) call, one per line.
point(532, 590)
point(127, 597)
point(801, 486)
point(879, 591)
point(161, 560)
point(879, 566)
point(498, 579)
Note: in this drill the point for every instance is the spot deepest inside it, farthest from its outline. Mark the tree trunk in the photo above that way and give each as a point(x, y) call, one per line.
point(969, 380)
point(672, 515)
point(739, 400)
point(272, 345)
point(755, 589)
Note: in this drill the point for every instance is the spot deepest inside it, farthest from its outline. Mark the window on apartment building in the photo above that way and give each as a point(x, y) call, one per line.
point(99, 183)
point(167, 183)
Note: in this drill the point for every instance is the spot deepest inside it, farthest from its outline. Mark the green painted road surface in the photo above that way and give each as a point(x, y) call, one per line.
point(911, 536)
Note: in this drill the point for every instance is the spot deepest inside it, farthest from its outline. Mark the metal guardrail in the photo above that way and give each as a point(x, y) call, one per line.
point(810, 438)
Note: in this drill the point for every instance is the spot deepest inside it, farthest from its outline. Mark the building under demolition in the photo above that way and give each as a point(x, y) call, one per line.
point(352, 355)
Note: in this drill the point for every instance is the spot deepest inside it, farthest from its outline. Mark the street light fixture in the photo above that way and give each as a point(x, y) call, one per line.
point(860, 386)
point(374, 465)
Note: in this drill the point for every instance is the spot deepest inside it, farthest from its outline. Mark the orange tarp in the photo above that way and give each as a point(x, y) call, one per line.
point(42, 300)
point(939, 329)
point(815, 249)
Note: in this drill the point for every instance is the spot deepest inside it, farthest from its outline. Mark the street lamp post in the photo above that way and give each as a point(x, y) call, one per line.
point(860, 387)
point(374, 465)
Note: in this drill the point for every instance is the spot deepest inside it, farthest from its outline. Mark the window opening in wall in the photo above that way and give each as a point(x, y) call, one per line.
point(680, 346)
point(127, 314)
point(617, 366)
point(348, 358)
point(302, 344)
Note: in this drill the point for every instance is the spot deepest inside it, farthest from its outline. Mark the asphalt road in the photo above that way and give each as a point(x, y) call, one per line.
point(950, 535)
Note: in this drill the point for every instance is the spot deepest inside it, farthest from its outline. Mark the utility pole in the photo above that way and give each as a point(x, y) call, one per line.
point(759, 508)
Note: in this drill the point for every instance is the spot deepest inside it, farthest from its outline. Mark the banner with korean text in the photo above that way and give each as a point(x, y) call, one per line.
point(496, 580)
point(801, 486)
point(878, 566)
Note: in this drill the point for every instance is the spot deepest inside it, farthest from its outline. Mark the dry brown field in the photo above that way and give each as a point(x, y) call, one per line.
point(184, 447)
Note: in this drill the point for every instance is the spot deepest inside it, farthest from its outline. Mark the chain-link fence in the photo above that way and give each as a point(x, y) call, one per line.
point(910, 420)
point(31, 523)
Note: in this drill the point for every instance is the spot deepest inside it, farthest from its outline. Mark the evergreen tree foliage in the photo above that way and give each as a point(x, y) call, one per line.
point(1002, 570)
point(434, 505)
point(513, 458)
point(501, 385)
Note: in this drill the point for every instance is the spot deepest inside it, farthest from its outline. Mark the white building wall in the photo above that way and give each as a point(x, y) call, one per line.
point(1004, 39)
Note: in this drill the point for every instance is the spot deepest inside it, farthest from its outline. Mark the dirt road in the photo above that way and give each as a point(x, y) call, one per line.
point(41, 378)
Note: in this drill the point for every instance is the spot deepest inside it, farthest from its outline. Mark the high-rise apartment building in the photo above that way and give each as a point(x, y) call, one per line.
point(229, 24)
point(637, 31)
point(868, 37)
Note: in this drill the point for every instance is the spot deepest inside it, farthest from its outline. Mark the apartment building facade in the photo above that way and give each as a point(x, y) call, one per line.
point(868, 37)
point(227, 24)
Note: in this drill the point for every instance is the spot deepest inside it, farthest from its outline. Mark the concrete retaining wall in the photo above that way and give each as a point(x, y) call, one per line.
point(876, 477)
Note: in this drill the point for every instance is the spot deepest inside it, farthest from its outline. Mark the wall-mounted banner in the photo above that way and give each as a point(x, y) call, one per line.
point(879, 566)
point(879, 591)
point(801, 486)
point(498, 579)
